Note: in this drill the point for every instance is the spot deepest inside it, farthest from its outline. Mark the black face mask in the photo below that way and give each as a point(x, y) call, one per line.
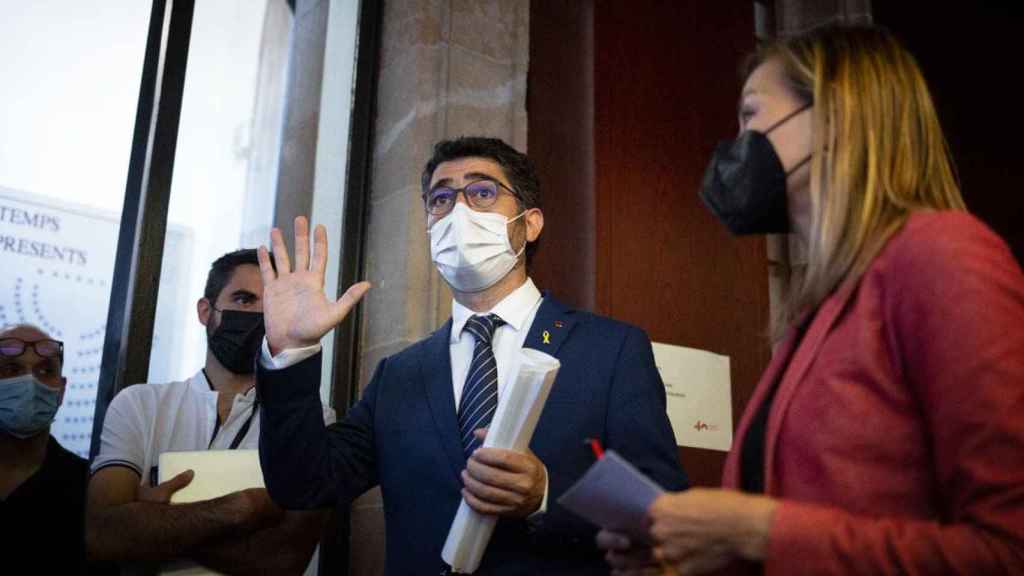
point(236, 342)
point(745, 183)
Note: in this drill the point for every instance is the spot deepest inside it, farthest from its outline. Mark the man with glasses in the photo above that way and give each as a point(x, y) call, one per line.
point(130, 519)
point(418, 428)
point(42, 485)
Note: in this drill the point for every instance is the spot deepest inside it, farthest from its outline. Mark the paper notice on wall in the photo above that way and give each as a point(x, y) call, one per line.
point(698, 387)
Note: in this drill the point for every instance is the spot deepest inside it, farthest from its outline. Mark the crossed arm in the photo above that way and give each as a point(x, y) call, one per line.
point(239, 533)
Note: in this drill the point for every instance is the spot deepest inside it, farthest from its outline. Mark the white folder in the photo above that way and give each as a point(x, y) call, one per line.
point(217, 472)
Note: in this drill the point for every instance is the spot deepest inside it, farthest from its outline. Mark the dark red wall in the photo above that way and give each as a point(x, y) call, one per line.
point(560, 108)
point(664, 84)
point(971, 57)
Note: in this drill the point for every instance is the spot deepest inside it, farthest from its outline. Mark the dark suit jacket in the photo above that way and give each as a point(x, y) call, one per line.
point(403, 435)
point(896, 437)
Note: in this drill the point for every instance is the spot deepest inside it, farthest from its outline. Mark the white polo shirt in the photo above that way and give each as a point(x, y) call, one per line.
point(146, 420)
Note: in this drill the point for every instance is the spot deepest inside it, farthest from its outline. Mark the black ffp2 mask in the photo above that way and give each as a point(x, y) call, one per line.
point(745, 183)
point(237, 341)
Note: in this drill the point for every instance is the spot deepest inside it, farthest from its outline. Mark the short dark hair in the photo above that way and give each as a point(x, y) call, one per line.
point(224, 267)
point(518, 168)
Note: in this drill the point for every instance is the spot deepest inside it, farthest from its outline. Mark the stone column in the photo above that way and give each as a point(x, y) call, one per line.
point(447, 68)
point(302, 114)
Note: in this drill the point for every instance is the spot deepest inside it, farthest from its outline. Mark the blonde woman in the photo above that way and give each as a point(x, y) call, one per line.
point(887, 434)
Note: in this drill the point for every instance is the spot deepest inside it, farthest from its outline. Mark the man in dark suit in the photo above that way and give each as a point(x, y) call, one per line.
point(417, 429)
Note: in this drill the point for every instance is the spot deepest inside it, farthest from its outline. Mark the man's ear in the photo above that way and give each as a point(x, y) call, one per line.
point(203, 309)
point(534, 224)
point(63, 387)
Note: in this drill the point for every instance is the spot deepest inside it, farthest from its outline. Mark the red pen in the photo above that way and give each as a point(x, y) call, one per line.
point(595, 445)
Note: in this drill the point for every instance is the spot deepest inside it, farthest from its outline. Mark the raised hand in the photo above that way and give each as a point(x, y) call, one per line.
point(296, 311)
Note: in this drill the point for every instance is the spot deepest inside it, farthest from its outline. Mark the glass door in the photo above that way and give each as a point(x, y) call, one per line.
point(71, 73)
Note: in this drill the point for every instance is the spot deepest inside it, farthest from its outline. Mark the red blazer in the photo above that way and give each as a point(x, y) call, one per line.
point(896, 438)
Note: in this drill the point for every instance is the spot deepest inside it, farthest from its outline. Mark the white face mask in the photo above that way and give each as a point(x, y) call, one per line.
point(471, 249)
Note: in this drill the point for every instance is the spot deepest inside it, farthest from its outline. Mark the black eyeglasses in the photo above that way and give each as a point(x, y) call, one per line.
point(14, 347)
point(480, 195)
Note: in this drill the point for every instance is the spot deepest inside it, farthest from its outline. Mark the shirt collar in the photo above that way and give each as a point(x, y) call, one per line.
point(514, 309)
point(200, 383)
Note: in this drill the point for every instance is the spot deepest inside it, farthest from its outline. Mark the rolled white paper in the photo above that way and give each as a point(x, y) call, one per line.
point(515, 419)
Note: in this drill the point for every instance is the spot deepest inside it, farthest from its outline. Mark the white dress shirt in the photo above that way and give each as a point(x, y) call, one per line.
point(517, 310)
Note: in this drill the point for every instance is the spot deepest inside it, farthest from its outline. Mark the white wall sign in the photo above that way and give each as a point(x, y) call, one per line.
point(698, 387)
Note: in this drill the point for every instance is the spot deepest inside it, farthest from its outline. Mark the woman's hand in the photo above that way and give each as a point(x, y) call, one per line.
point(701, 530)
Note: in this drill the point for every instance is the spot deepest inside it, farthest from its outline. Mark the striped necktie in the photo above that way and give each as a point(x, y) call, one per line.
point(480, 394)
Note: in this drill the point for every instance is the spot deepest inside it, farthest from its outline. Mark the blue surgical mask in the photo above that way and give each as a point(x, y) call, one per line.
point(27, 406)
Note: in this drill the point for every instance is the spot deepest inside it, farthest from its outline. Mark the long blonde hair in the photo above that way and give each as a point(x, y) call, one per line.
point(878, 153)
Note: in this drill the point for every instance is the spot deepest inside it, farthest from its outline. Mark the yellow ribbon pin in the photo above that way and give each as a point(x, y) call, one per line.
point(547, 337)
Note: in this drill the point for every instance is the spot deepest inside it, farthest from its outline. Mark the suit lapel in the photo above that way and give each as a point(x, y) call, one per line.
point(436, 374)
point(548, 332)
point(772, 374)
point(793, 376)
point(550, 327)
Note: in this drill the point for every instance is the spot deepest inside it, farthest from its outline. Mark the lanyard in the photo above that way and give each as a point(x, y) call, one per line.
point(241, 431)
